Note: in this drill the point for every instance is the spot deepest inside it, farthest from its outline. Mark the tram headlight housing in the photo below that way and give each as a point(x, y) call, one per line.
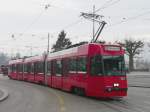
point(109, 89)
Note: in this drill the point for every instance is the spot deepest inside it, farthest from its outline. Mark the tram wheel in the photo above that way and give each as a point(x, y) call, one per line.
point(79, 91)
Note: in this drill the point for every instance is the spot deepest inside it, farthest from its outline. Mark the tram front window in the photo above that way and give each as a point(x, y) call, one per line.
point(113, 65)
point(96, 66)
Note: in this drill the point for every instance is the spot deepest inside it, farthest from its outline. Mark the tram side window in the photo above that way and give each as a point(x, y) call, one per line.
point(17, 68)
point(96, 66)
point(25, 68)
point(81, 64)
point(10, 68)
point(29, 67)
point(41, 67)
point(65, 64)
point(72, 65)
point(13, 68)
point(32, 68)
point(20, 68)
point(58, 67)
point(36, 67)
point(48, 67)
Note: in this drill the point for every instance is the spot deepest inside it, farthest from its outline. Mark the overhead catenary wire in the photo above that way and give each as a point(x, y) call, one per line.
point(36, 19)
point(72, 24)
point(107, 4)
point(78, 21)
point(130, 18)
point(32, 23)
point(46, 6)
point(67, 26)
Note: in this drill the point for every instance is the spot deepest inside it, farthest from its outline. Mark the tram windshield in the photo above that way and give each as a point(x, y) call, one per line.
point(113, 65)
point(107, 65)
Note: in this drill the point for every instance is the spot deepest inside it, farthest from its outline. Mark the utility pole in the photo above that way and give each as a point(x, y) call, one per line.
point(93, 22)
point(48, 45)
point(45, 59)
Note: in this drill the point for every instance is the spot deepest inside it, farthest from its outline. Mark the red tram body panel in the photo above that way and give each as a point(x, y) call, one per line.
point(33, 71)
point(96, 70)
point(28, 70)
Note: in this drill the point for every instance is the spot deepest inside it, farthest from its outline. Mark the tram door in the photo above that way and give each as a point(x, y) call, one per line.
point(20, 71)
point(66, 85)
point(48, 73)
point(57, 74)
point(82, 76)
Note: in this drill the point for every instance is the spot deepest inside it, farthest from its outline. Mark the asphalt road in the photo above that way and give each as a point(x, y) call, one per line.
point(28, 97)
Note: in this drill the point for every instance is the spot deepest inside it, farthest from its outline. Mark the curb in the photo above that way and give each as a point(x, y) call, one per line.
point(140, 86)
point(4, 95)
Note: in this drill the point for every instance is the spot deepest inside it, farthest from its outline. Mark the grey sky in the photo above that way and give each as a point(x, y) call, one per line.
point(28, 17)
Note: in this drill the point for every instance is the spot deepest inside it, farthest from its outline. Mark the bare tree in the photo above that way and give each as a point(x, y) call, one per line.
point(133, 48)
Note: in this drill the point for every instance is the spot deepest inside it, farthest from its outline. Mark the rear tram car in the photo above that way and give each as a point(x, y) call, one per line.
point(4, 69)
point(34, 69)
point(96, 70)
point(16, 69)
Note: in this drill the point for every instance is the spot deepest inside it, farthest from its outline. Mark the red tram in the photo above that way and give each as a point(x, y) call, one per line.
point(96, 70)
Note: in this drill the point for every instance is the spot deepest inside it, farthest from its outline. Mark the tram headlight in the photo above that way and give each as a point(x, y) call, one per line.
point(116, 85)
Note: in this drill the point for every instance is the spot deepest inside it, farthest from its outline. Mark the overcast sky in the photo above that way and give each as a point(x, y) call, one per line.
point(29, 22)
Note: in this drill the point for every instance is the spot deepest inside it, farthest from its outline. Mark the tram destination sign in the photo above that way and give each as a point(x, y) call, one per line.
point(112, 48)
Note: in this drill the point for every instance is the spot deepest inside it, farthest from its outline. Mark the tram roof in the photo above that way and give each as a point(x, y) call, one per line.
point(79, 50)
point(34, 58)
point(74, 51)
point(15, 61)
